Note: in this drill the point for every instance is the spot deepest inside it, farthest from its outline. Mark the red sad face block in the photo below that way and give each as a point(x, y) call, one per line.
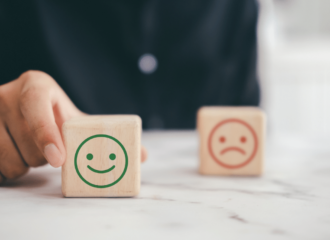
point(233, 143)
point(231, 140)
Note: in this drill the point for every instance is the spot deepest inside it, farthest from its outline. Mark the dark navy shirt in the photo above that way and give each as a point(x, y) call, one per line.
point(205, 52)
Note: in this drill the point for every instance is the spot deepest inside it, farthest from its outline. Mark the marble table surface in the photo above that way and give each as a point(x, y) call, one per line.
point(290, 201)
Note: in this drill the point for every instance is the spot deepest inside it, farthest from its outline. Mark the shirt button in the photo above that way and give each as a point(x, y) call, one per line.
point(147, 63)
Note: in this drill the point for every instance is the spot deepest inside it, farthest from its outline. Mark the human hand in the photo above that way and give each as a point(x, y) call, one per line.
point(32, 110)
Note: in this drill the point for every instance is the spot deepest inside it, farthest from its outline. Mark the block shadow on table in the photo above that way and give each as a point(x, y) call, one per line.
point(39, 181)
point(31, 180)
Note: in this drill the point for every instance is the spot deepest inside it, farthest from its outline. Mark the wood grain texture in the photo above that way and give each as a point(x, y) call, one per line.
point(231, 140)
point(96, 159)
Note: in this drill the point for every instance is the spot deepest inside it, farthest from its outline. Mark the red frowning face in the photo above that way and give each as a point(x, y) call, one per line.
point(233, 143)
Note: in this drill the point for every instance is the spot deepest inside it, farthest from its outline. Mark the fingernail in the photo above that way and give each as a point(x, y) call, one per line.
point(53, 155)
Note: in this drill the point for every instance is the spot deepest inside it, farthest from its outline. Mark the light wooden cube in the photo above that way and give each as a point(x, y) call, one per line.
point(231, 140)
point(103, 156)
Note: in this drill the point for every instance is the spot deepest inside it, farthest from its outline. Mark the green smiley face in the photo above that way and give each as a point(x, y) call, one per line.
point(101, 161)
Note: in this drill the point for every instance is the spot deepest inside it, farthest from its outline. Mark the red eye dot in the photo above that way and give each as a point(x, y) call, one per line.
point(243, 139)
point(222, 139)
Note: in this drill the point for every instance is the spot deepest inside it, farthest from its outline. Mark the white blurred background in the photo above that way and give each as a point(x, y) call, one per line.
point(294, 68)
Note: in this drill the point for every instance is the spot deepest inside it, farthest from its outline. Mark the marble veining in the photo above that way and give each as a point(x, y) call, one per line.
point(290, 201)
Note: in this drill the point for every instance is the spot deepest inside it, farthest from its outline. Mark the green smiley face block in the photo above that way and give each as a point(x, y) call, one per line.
point(85, 162)
point(103, 156)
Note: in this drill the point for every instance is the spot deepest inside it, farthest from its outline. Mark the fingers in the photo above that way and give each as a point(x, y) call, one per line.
point(11, 163)
point(144, 154)
point(38, 97)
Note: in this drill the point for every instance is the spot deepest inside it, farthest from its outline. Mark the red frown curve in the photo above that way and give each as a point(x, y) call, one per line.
point(232, 149)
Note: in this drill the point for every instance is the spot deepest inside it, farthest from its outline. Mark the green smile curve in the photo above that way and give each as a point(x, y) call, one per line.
point(98, 171)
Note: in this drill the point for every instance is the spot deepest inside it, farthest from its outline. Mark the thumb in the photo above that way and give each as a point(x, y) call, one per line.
point(39, 97)
point(38, 113)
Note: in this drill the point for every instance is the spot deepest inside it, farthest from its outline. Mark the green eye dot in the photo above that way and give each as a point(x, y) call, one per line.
point(89, 156)
point(112, 156)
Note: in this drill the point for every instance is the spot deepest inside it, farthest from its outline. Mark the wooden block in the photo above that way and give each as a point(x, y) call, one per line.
point(103, 156)
point(231, 140)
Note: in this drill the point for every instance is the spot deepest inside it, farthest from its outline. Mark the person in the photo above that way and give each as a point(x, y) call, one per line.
point(160, 59)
